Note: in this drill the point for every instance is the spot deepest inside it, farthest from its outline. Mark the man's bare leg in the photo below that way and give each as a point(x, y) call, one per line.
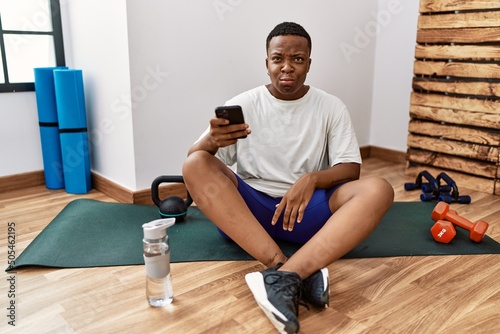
point(213, 187)
point(358, 208)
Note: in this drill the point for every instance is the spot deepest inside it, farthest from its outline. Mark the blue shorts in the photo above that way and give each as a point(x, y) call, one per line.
point(263, 207)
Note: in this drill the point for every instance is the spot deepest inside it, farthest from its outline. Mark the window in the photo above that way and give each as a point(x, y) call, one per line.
point(30, 36)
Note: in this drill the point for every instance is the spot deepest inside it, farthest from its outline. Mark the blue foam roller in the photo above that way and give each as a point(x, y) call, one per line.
point(52, 158)
point(76, 162)
point(45, 93)
point(49, 128)
point(70, 99)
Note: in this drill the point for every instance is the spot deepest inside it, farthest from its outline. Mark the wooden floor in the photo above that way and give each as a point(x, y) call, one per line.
point(435, 294)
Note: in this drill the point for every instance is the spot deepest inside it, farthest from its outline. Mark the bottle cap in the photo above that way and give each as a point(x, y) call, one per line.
point(157, 229)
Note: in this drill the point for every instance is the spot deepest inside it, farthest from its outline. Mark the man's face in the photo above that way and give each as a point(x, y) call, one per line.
point(288, 63)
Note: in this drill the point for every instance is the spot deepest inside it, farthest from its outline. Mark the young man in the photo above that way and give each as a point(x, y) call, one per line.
point(297, 179)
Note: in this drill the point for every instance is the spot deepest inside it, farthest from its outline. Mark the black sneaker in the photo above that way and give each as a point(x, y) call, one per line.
point(317, 289)
point(278, 295)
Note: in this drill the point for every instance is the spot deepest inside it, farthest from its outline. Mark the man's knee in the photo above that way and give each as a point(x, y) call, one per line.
point(194, 161)
point(366, 188)
point(199, 164)
point(378, 188)
point(202, 167)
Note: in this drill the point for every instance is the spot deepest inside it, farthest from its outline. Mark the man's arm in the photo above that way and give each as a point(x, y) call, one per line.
point(334, 175)
point(219, 135)
point(204, 144)
point(298, 196)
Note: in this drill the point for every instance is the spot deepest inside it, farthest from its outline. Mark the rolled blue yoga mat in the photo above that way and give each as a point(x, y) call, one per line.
point(52, 157)
point(75, 152)
point(70, 99)
point(49, 128)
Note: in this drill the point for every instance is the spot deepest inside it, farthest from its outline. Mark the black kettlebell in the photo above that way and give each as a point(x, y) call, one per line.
point(172, 206)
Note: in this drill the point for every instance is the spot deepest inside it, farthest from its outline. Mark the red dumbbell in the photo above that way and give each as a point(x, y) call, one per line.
point(477, 230)
point(443, 231)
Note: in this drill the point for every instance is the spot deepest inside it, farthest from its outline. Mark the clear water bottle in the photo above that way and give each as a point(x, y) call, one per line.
point(159, 290)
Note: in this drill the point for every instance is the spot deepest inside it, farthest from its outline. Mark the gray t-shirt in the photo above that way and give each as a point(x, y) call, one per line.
point(290, 138)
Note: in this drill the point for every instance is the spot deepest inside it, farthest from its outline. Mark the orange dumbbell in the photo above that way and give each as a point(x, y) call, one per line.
point(442, 212)
point(443, 231)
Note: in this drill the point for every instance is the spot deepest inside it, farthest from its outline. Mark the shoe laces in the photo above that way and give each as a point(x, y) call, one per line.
point(289, 286)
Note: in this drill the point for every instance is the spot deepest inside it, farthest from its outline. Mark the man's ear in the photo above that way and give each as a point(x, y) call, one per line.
point(309, 67)
point(267, 62)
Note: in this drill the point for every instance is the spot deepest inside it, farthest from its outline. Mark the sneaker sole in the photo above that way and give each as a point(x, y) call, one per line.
point(255, 282)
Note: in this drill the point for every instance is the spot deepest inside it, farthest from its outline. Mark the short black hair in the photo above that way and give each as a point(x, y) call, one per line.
point(289, 28)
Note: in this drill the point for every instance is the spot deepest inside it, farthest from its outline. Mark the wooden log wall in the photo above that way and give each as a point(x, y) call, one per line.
point(455, 103)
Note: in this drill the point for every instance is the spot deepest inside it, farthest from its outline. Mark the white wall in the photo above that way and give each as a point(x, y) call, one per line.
point(394, 58)
point(20, 147)
point(207, 56)
point(98, 44)
point(154, 71)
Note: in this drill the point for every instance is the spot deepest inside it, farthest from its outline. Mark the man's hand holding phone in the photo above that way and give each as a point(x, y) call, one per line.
point(229, 125)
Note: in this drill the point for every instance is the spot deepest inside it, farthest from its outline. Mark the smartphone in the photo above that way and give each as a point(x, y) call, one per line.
point(233, 113)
